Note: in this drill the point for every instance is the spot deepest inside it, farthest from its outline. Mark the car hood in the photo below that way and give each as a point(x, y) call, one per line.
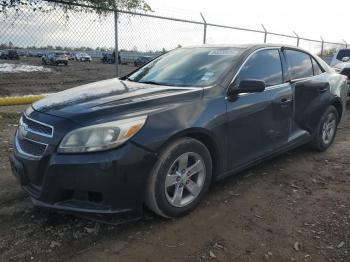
point(114, 98)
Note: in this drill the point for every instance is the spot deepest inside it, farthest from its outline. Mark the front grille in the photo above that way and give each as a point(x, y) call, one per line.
point(30, 148)
point(37, 127)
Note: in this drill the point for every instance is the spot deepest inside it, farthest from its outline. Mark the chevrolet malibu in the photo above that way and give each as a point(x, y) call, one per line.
point(161, 135)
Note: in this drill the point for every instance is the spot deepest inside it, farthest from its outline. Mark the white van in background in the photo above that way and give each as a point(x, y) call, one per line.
point(342, 55)
point(341, 64)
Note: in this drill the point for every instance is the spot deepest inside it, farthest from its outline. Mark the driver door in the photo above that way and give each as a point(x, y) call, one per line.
point(259, 123)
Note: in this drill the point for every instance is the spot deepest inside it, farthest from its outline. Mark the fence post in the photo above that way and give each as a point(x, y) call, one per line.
point(298, 38)
point(265, 33)
point(205, 29)
point(322, 46)
point(116, 42)
point(346, 44)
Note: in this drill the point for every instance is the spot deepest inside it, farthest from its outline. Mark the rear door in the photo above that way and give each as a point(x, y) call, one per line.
point(311, 89)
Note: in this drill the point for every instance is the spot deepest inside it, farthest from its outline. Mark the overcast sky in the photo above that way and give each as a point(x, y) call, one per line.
point(309, 18)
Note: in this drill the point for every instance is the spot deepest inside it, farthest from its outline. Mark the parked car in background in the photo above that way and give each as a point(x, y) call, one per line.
point(82, 57)
point(339, 56)
point(343, 68)
point(55, 58)
point(109, 58)
point(40, 54)
point(141, 60)
point(160, 135)
point(71, 56)
point(9, 54)
point(22, 53)
point(36, 53)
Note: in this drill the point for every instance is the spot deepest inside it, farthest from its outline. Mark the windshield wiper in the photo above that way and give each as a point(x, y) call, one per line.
point(129, 79)
point(152, 83)
point(149, 82)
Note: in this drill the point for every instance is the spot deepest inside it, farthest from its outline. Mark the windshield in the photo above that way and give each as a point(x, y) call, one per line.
point(201, 66)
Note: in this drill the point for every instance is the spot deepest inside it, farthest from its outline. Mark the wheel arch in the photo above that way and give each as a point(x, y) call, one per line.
point(205, 137)
point(336, 102)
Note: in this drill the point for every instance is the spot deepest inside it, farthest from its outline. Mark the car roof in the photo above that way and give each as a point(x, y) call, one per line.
point(244, 46)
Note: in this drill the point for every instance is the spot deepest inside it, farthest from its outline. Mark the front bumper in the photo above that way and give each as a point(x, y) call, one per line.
point(102, 185)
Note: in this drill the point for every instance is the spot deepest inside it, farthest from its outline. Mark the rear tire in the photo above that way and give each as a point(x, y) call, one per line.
point(179, 179)
point(326, 129)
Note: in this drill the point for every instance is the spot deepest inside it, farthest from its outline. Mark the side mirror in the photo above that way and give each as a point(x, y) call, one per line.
point(345, 59)
point(248, 86)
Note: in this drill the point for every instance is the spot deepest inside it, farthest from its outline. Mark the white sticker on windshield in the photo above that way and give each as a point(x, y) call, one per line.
point(223, 52)
point(207, 76)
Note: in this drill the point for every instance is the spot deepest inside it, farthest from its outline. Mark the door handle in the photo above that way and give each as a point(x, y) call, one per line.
point(322, 89)
point(285, 100)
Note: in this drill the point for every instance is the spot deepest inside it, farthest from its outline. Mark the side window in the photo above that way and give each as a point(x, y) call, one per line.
point(343, 53)
point(300, 65)
point(317, 68)
point(263, 65)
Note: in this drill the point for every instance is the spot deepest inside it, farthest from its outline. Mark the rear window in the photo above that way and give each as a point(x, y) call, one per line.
point(300, 65)
point(343, 53)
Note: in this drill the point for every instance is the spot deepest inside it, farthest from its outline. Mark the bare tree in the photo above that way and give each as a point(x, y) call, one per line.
point(76, 5)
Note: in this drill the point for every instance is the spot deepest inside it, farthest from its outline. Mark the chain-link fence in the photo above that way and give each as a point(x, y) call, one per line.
point(36, 35)
point(50, 48)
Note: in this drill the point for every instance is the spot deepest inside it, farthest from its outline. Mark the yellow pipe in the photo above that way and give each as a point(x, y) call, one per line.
point(19, 100)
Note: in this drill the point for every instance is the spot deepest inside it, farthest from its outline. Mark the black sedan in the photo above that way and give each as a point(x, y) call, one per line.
point(9, 54)
point(141, 60)
point(162, 134)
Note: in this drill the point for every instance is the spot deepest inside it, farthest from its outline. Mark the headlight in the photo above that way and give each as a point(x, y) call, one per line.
point(101, 137)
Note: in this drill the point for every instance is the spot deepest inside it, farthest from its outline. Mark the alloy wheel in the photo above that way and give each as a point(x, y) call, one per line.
point(328, 129)
point(185, 179)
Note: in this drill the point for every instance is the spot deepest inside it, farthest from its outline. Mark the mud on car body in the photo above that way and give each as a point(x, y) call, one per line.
point(160, 135)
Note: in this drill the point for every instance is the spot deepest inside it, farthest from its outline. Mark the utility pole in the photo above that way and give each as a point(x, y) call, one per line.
point(265, 33)
point(205, 29)
point(298, 38)
point(116, 42)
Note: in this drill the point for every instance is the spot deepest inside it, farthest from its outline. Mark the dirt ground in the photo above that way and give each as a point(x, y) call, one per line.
point(292, 208)
point(60, 78)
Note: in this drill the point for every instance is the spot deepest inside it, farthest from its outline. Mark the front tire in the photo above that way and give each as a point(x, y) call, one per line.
point(326, 129)
point(179, 179)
